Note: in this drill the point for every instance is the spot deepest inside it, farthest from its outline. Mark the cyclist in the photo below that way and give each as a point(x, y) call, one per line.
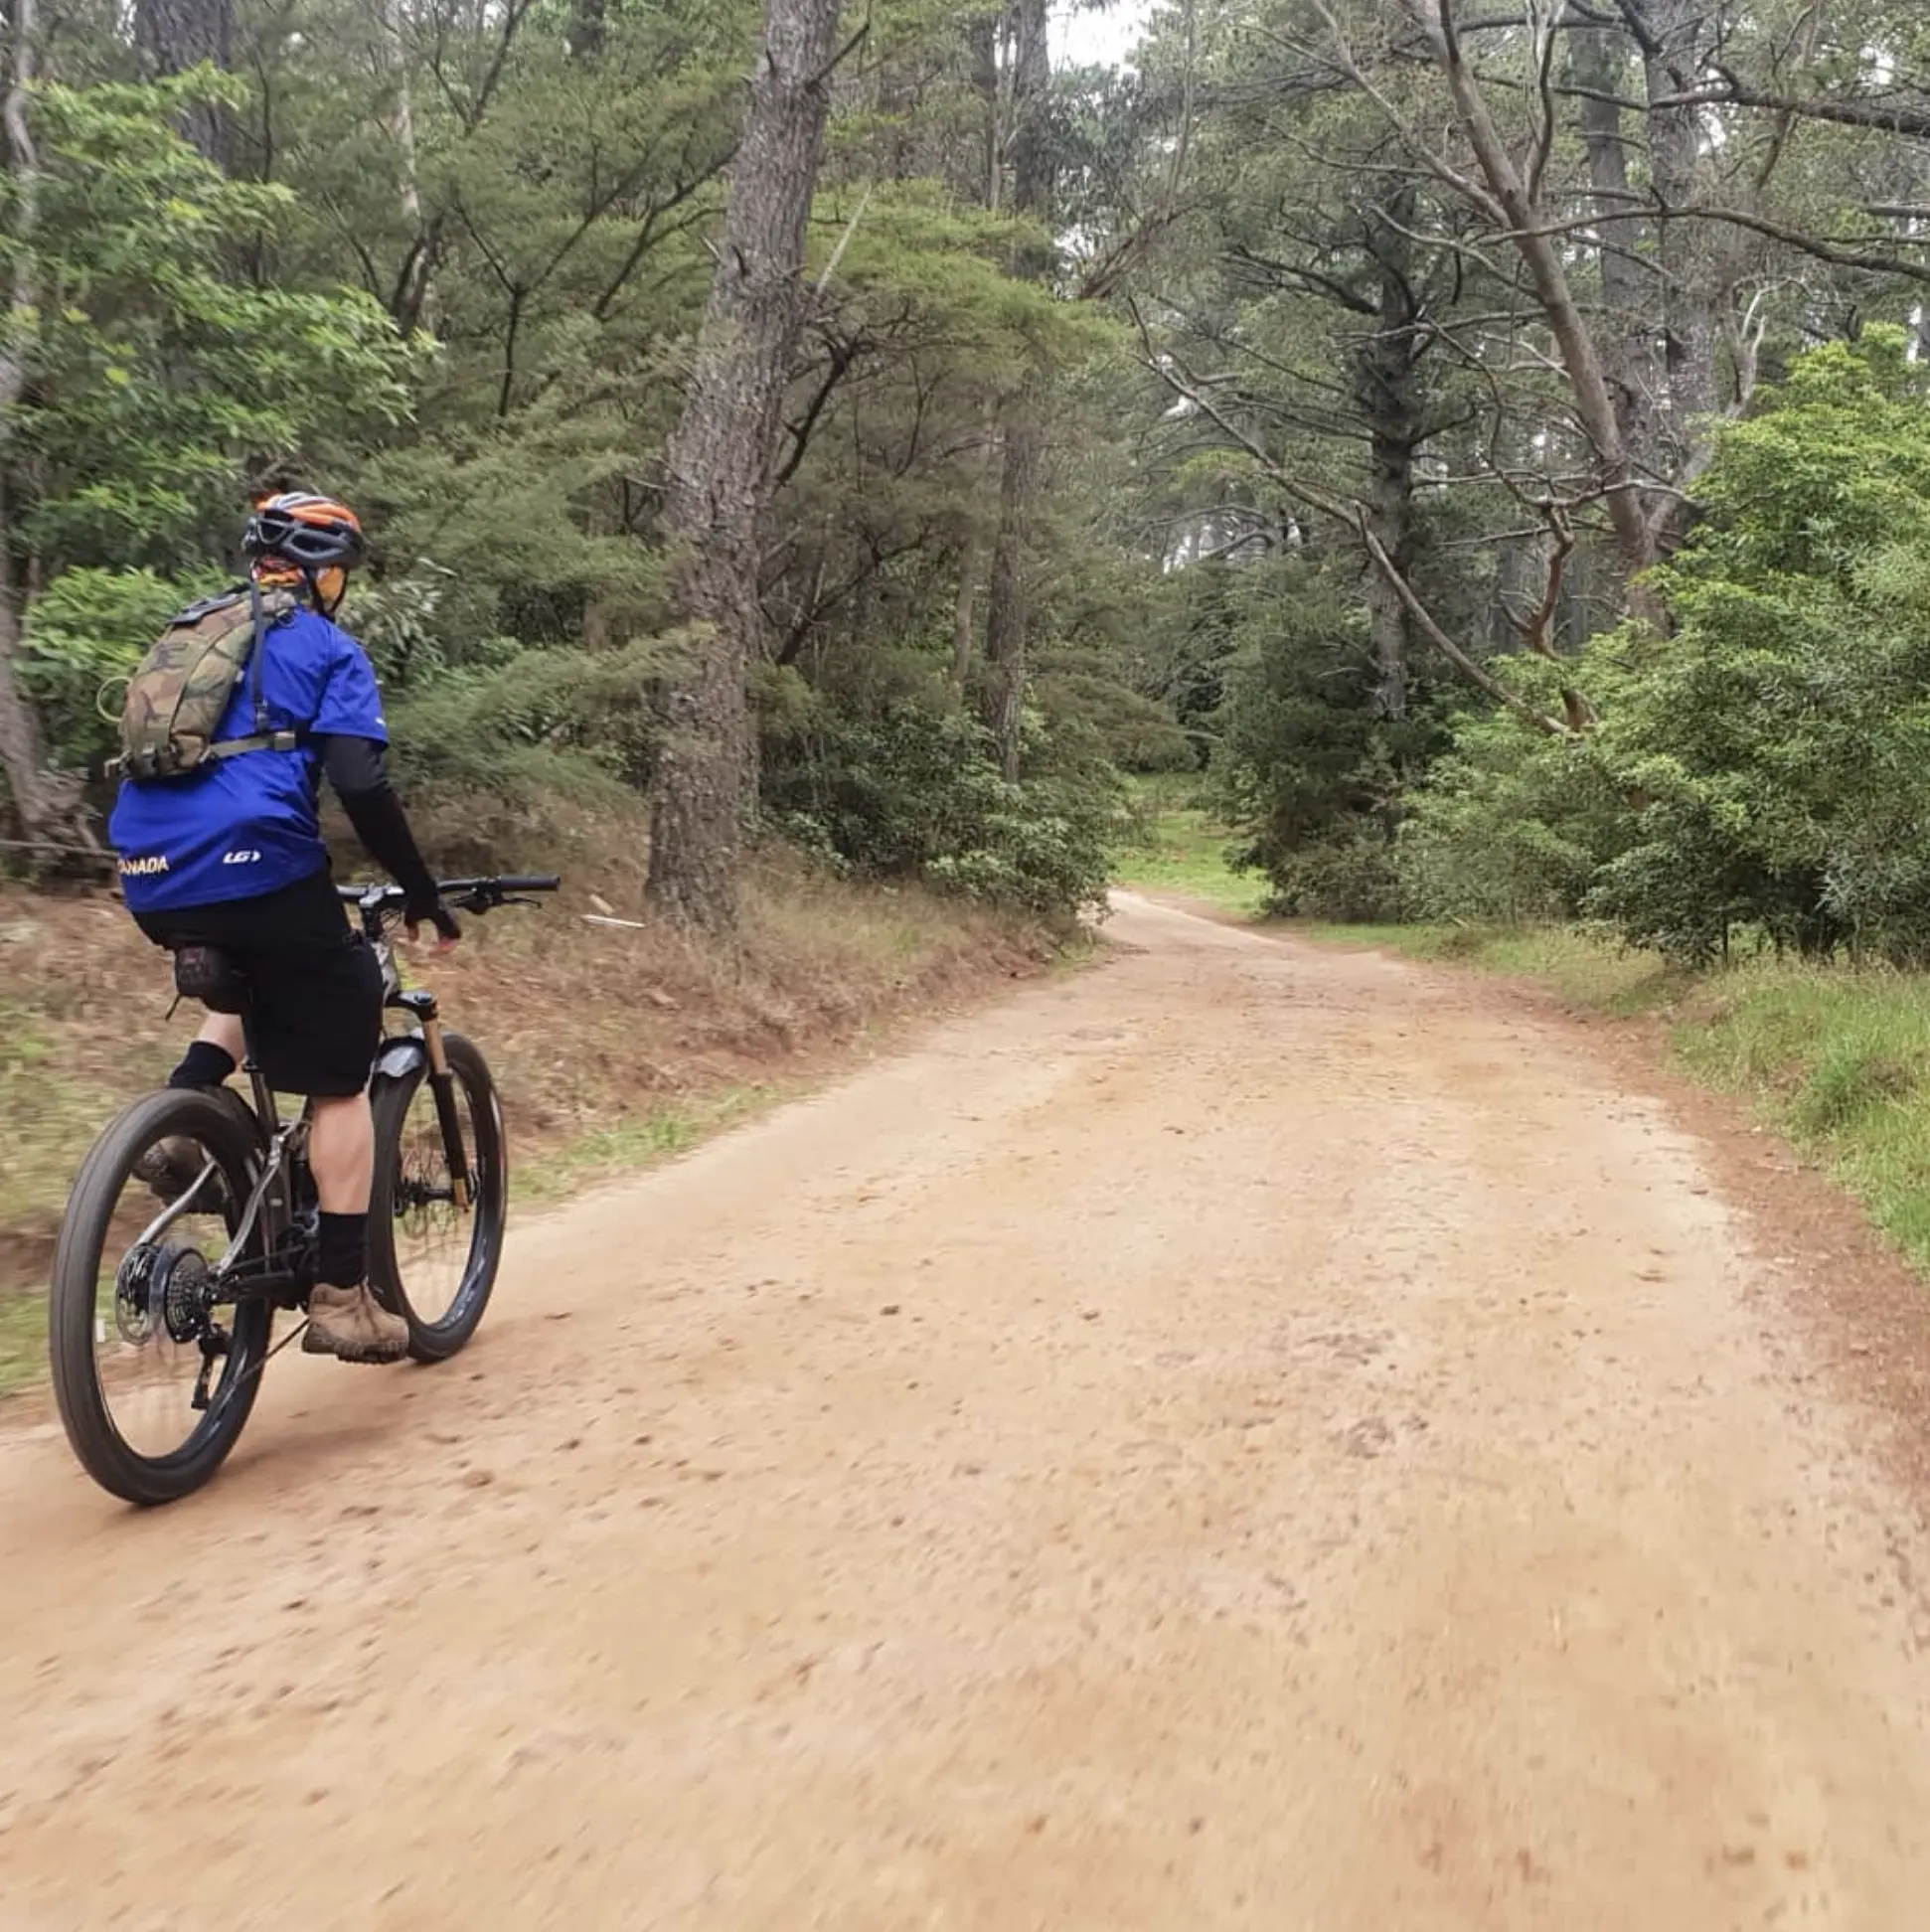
point(231, 857)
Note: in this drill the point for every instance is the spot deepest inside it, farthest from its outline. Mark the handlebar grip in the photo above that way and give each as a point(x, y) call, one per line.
point(530, 882)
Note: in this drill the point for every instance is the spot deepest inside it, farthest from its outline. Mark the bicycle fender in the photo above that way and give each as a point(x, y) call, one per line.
point(400, 1056)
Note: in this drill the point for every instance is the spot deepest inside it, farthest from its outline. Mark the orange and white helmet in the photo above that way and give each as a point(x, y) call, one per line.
point(304, 532)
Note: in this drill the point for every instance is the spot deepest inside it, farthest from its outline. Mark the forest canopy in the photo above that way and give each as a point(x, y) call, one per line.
point(1486, 445)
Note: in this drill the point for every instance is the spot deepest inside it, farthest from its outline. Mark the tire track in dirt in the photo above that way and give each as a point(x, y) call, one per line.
point(1240, 1437)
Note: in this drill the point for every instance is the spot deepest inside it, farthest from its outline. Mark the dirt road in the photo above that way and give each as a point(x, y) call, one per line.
point(1240, 1438)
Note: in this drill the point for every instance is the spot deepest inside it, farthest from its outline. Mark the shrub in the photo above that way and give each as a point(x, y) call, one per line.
point(572, 724)
point(87, 630)
point(904, 791)
point(1348, 880)
point(1766, 768)
point(1511, 827)
point(1308, 765)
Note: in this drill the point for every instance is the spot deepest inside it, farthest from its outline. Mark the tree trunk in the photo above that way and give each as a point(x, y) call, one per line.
point(1386, 387)
point(720, 463)
point(1008, 609)
point(411, 289)
point(588, 28)
point(22, 754)
point(1631, 298)
point(1390, 507)
point(1512, 197)
point(1008, 616)
point(982, 36)
point(965, 614)
point(1671, 62)
point(175, 35)
point(982, 39)
point(982, 42)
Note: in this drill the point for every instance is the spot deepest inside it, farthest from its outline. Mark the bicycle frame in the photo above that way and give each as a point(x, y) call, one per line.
point(264, 1260)
point(226, 1247)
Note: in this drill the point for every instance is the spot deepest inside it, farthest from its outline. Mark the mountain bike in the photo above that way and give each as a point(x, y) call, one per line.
point(161, 1310)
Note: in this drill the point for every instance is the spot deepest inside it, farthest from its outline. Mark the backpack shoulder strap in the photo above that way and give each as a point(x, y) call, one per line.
point(195, 613)
point(265, 614)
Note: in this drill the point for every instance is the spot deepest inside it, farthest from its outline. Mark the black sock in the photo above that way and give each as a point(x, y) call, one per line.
point(203, 1064)
point(342, 1256)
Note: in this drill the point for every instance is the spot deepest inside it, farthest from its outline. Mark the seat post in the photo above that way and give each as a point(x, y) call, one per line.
point(265, 1106)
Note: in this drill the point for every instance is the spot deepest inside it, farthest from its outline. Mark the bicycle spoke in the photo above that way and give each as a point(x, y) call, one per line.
point(154, 1301)
point(433, 1235)
point(231, 1389)
point(171, 1214)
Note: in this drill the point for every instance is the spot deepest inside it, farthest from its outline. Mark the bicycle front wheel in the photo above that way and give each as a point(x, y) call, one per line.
point(432, 1258)
point(154, 1371)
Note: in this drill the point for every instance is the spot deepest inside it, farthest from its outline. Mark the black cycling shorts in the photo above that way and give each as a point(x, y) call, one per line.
point(314, 984)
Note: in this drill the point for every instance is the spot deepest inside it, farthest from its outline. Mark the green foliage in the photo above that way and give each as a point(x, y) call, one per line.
point(452, 272)
point(915, 254)
point(1511, 826)
point(572, 723)
point(1778, 746)
point(1766, 769)
point(1086, 691)
point(909, 792)
point(85, 634)
point(158, 377)
point(1299, 741)
point(1305, 763)
point(1350, 879)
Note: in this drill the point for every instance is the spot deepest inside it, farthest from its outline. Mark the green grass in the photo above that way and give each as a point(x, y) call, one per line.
point(1185, 852)
point(1581, 969)
point(1840, 1062)
point(22, 1340)
point(52, 1105)
point(1835, 1059)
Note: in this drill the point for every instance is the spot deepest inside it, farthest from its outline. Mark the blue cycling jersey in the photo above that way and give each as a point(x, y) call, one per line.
point(250, 824)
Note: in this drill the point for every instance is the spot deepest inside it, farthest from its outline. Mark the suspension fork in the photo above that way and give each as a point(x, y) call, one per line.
point(443, 1086)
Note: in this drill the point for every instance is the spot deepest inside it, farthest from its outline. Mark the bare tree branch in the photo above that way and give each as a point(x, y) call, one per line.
point(1352, 514)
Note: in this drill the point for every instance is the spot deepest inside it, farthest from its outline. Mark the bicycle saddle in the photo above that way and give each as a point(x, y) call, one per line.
point(207, 974)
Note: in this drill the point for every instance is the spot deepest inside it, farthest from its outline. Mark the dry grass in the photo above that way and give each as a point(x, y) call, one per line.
point(612, 1045)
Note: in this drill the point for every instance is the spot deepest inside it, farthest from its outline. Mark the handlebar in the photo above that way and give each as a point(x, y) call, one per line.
point(378, 903)
point(484, 895)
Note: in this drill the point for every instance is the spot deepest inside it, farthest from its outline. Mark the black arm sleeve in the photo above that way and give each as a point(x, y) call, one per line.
point(357, 769)
point(353, 764)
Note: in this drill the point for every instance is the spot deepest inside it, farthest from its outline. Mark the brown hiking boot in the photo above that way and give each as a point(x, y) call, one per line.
point(172, 1167)
point(352, 1326)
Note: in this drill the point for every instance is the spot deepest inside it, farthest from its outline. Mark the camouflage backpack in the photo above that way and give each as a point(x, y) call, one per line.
point(182, 688)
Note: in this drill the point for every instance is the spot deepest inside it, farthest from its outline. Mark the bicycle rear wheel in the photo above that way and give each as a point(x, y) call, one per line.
point(431, 1259)
point(132, 1317)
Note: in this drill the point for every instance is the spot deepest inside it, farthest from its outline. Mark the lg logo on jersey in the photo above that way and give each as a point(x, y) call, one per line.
point(241, 858)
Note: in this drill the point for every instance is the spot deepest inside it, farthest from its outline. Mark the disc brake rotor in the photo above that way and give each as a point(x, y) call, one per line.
point(161, 1290)
point(133, 1303)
